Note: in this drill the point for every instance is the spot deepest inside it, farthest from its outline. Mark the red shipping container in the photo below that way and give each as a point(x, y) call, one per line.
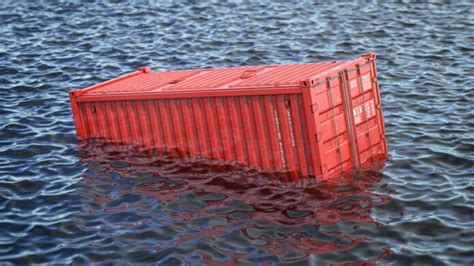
point(298, 120)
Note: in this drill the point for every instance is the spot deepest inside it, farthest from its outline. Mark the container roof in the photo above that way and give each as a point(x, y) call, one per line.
point(214, 79)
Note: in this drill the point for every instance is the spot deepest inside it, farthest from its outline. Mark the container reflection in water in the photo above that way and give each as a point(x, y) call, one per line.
point(170, 208)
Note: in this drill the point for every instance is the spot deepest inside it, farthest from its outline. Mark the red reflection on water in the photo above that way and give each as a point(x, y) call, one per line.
point(283, 205)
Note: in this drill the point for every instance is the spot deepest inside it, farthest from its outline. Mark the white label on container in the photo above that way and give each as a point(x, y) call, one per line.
point(353, 84)
point(280, 138)
point(290, 125)
point(368, 107)
point(366, 82)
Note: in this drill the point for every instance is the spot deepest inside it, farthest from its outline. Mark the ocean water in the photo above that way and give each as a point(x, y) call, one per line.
point(63, 201)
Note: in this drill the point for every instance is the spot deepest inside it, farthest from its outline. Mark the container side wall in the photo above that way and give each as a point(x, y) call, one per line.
point(269, 132)
point(300, 134)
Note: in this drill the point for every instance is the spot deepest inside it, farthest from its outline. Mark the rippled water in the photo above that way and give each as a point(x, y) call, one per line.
point(62, 201)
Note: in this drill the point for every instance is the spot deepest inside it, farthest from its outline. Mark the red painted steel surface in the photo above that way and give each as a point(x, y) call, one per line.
point(300, 120)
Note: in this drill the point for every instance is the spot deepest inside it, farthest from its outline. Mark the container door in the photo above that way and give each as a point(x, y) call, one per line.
point(332, 127)
point(365, 120)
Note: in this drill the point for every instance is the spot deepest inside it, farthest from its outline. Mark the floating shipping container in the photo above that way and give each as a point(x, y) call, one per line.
point(301, 120)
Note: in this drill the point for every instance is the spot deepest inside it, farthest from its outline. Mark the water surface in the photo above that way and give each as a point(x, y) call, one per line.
point(62, 201)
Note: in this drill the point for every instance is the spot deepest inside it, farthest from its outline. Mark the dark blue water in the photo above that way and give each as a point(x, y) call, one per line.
point(62, 201)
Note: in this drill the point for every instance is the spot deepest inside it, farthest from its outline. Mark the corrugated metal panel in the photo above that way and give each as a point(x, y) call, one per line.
point(144, 82)
point(215, 79)
point(286, 75)
point(329, 122)
point(266, 131)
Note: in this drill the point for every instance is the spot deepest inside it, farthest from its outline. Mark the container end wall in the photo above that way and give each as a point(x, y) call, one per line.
point(77, 115)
